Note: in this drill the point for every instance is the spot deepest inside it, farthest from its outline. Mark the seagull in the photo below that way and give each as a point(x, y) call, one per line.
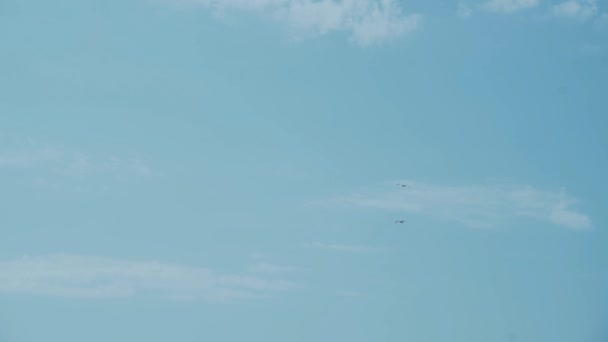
point(402, 185)
point(399, 221)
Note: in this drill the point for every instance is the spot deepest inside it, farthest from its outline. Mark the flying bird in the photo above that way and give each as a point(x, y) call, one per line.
point(402, 185)
point(399, 221)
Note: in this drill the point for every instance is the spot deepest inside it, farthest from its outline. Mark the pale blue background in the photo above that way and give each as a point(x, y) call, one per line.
point(243, 127)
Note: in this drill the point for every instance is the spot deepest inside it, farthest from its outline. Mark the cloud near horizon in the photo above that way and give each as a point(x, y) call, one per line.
point(463, 10)
point(266, 267)
point(348, 293)
point(582, 10)
point(344, 248)
point(368, 22)
point(485, 205)
point(66, 275)
point(508, 6)
point(601, 23)
point(49, 160)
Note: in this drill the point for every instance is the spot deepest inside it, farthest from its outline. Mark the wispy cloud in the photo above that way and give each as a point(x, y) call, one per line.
point(265, 267)
point(344, 248)
point(463, 10)
point(588, 49)
point(509, 6)
point(601, 23)
point(29, 157)
point(61, 161)
point(368, 22)
point(81, 165)
point(576, 9)
point(94, 277)
point(348, 293)
point(259, 256)
point(483, 205)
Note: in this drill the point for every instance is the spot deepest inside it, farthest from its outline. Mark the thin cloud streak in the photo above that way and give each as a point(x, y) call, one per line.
point(265, 267)
point(23, 158)
point(368, 22)
point(65, 162)
point(601, 23)
point(348, 293)
point(463, 10)
point(508, 6)
point(93, 277)
point(475, 205)
point(344, 248)
point(582, 10)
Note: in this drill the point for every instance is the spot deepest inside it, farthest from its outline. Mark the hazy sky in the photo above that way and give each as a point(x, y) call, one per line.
point(226, 170)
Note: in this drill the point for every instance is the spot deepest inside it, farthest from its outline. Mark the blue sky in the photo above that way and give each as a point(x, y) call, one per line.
point(226, 170)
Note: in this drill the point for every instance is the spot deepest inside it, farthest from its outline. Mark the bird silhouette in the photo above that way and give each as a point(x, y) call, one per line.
point(402, 185)
point(399, 221)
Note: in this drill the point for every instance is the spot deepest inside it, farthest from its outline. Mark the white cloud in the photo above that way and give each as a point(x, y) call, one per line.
point(81, 276)
point(348, 293)
point(77, 164)
point(601, 23)
point(265, 267)
point(475, 205)
point(28, 157)
point(259, 256)
point(508, 6)
point(590, 50)
point(367, 21)
point(464, 11)
point(576, 9)
point(59, 161)
point(344, 248)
